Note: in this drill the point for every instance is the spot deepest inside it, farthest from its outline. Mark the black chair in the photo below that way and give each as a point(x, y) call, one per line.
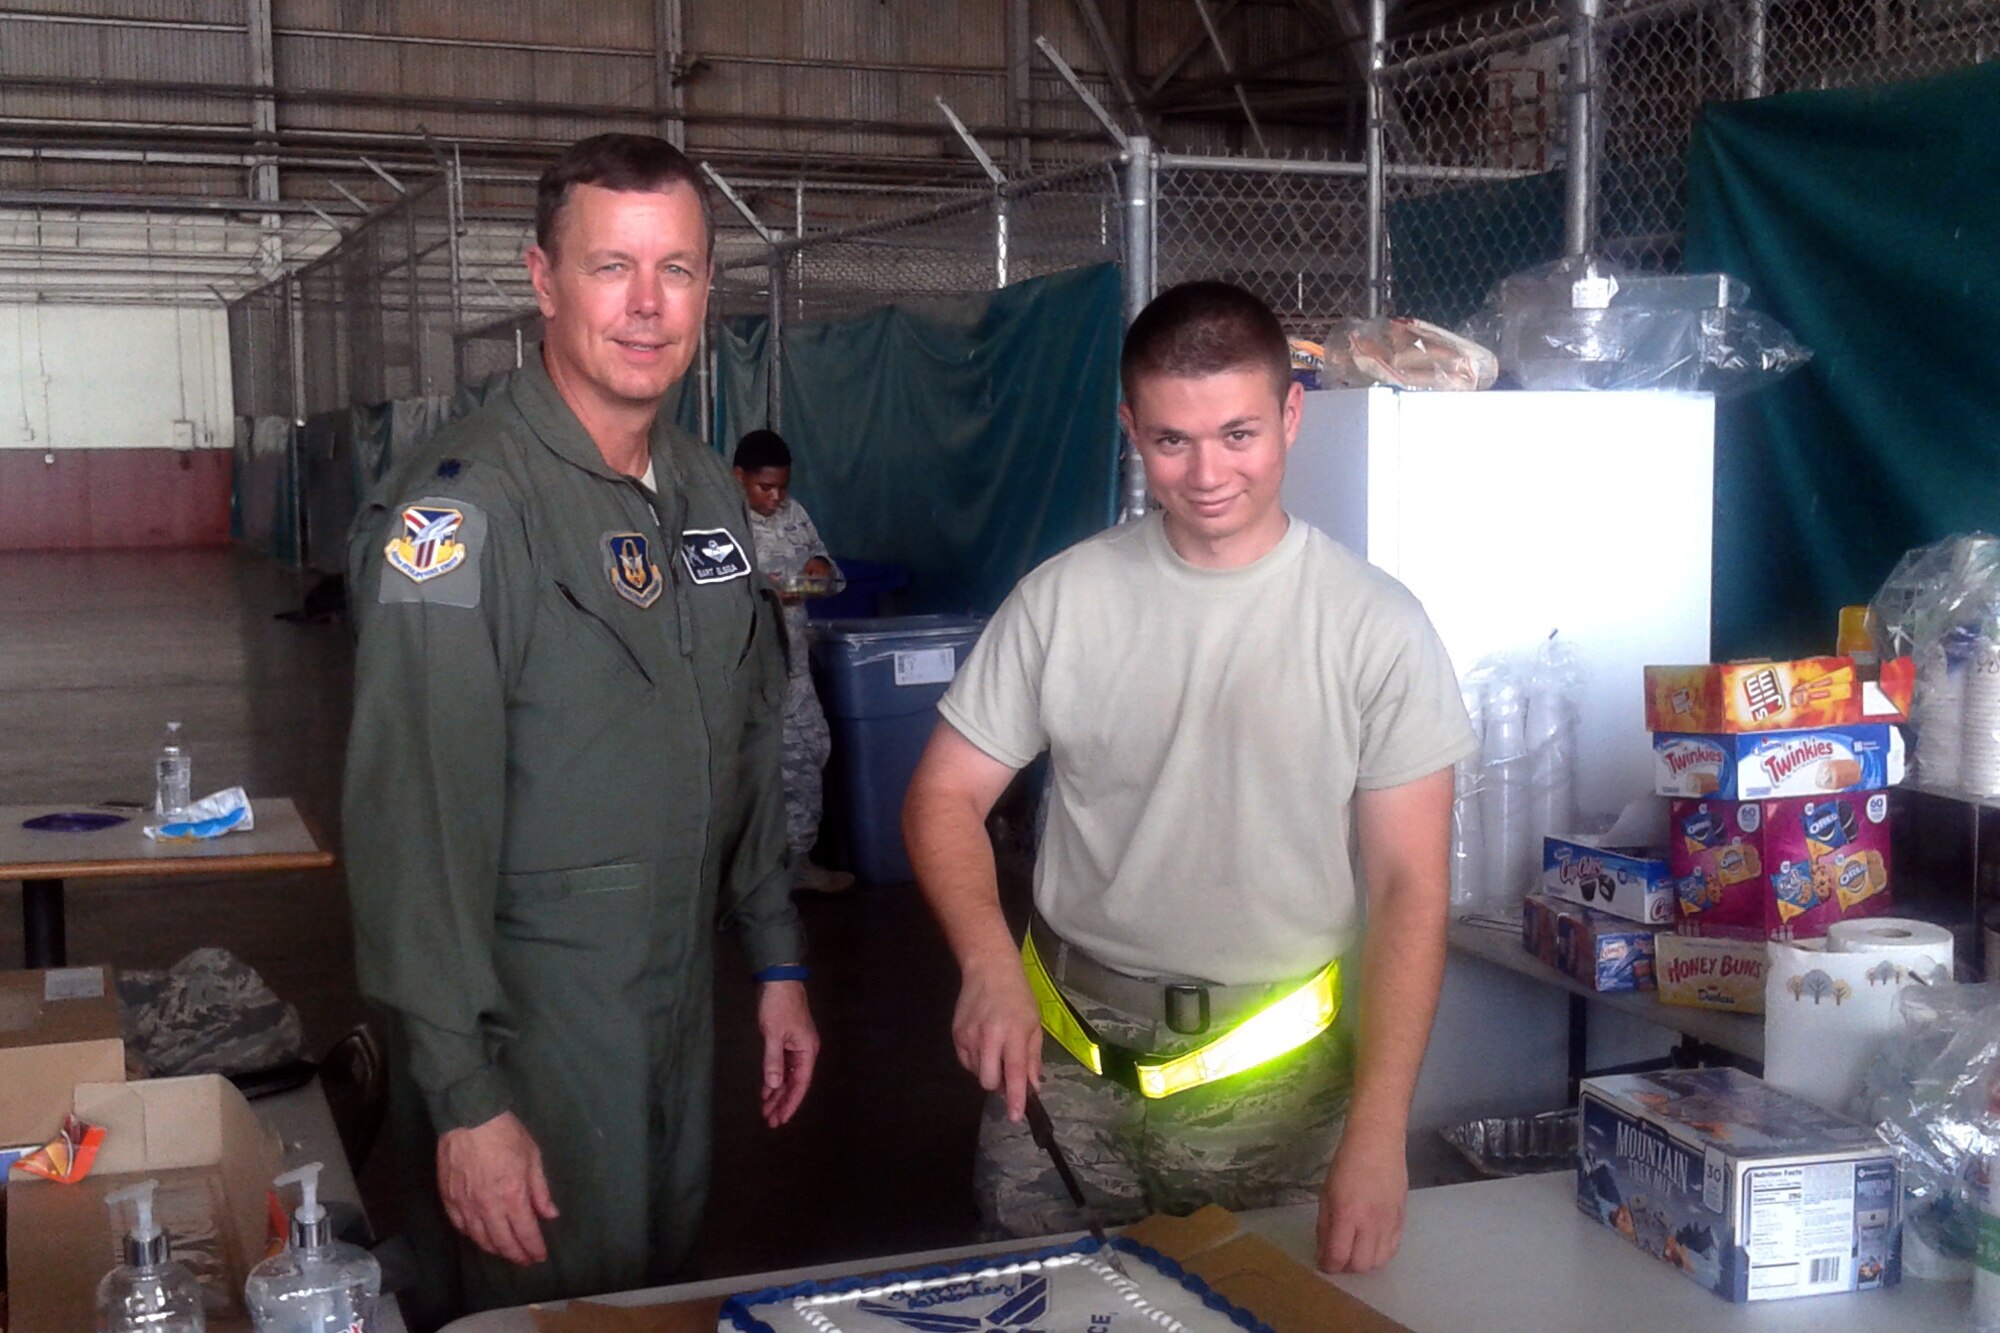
point(356, 1082)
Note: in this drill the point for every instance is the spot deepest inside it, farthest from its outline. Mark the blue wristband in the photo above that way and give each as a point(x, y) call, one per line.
point(783, 972)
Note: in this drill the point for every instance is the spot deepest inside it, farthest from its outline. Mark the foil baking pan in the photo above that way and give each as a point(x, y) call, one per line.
point(1522, 1145)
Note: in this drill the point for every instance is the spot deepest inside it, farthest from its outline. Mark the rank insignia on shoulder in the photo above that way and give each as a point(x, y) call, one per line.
point(712, 555)
point(429, 544)
point(635, 575)
point(450, 468)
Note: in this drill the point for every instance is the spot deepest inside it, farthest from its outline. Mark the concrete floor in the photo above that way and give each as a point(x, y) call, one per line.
point(98, 651)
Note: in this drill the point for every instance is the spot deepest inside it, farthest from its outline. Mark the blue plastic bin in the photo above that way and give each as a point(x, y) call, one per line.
point(879, 682)
point(870, 584)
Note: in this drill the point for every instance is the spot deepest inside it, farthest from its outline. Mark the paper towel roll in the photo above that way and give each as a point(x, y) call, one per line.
point(1828, 1005)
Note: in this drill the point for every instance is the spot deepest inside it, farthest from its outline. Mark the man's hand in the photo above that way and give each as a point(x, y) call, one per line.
point(490, 1178)
point(1361, 1204)
point(818, 567)
point(998, 1031)
point(791, 1048)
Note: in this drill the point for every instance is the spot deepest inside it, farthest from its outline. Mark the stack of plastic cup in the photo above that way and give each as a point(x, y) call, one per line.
point(1938, 711)
point(1468, 838)
point(1979, 754)
point(1505, 801)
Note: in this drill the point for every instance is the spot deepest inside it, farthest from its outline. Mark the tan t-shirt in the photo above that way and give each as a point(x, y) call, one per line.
point(1208, 730)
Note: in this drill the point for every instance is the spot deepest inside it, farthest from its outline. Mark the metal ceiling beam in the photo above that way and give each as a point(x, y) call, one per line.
point(1229, 68)
point(1189, 50)
point(149, 203)
point(490, 106)
point(1114, 63)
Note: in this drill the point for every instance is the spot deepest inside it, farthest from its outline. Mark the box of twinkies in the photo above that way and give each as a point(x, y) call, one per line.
point(1788, 868)
point(1756, 766)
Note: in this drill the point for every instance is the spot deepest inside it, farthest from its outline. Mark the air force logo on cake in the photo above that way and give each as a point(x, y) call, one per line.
point(428, 546)
point(712, 555)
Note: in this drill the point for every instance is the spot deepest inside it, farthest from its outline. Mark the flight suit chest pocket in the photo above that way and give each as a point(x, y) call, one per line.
point(592, 632)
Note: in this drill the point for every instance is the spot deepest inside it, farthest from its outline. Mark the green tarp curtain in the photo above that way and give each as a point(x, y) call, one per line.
point(967, 452)
point(1867, 221)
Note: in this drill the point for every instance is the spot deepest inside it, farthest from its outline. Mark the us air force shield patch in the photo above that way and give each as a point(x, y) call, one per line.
point(628, 560)
point(712, 555)
point(429, 544)
point(433, 553)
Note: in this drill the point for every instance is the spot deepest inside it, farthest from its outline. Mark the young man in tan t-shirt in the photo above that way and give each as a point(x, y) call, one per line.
point(1252, 733)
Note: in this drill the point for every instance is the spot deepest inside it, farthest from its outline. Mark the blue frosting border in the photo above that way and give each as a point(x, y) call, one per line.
point(737, 1308)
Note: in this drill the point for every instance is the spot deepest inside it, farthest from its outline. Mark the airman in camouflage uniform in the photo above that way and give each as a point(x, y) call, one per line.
point(788, 548)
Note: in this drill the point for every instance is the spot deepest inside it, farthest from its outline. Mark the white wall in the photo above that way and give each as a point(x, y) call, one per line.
point(113, 377)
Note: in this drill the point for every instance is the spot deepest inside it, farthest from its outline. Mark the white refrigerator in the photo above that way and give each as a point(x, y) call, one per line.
point(1511, 515)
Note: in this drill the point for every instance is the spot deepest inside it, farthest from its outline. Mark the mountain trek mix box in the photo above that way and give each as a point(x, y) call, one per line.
point(1754, 1193)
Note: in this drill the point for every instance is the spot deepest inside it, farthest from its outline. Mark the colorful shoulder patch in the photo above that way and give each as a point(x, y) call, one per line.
point(433, 553)
point(634, 574)
point(713, 555)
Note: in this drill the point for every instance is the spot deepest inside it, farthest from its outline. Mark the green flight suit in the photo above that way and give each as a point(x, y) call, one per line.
point(563, 772)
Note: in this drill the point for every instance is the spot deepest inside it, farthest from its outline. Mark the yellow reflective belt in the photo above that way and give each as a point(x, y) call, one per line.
point(1283, 1025)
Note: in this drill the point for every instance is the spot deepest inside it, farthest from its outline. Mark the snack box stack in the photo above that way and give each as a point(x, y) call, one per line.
point(1778, 776)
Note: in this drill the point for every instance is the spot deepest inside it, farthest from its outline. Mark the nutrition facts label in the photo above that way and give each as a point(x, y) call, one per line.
point(1798, 1228)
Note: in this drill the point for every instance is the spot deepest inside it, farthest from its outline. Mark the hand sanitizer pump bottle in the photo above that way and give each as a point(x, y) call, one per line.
point(148, 1293)
point(319, 1284)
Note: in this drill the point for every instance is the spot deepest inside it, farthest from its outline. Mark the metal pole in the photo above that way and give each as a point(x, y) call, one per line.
point(1580, 180)
point(1139, 194)
point(1755, 34)
point(704, 387)
point(1378, 231)
point(774, 350)
point(1091, 104)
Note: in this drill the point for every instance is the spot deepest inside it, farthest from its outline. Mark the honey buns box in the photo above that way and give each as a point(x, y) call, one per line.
point(1808, 693)
point(1787, 868)
point(1712, 972)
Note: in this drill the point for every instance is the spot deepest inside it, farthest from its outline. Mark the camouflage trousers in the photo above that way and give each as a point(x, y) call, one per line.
point(807, 744)
point(1258, 1140)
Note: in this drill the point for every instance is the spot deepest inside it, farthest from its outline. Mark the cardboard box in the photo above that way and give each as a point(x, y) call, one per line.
point(1752, 1192)
point(1711, 973)
point(214, 1160)
point(1759, 765)
point(1633, 882)
point(1787, 868)
point(1776, 696)
point(57, 1029)
point(1604, 952)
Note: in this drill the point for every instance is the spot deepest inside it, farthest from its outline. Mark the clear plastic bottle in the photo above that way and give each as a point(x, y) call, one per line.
point(149, 1292)
point(319, 1284)
point(173, 774)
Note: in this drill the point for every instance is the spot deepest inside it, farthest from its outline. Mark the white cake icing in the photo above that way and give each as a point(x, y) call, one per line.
point(1069, 1292)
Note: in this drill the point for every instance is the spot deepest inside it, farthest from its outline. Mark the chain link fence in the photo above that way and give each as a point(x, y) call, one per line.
point(1295, 233)
point(1475, 147)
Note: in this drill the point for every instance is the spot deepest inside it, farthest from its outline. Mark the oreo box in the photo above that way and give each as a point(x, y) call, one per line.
point(1759, 765)
point(1604, 952)
point(1756, 1194)
point(1788, 868)
point(1632, 882)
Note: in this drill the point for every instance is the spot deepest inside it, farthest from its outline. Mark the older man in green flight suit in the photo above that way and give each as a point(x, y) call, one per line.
point(564, 771)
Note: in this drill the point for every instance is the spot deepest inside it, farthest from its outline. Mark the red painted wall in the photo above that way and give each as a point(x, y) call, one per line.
point(106, 499)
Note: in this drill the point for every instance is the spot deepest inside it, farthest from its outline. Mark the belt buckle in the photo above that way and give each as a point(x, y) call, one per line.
point(1187, 1008)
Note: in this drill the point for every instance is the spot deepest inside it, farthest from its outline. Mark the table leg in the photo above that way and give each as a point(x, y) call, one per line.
point(42, 923)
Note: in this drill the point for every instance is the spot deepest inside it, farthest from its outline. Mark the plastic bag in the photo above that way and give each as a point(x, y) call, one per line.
point(1933, 590)
point(1405, 353)
point(1583, 323)
point(1941, 605)
point(1932, 1096)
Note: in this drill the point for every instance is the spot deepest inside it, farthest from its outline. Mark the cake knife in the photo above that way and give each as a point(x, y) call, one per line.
point(1044, 1131)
